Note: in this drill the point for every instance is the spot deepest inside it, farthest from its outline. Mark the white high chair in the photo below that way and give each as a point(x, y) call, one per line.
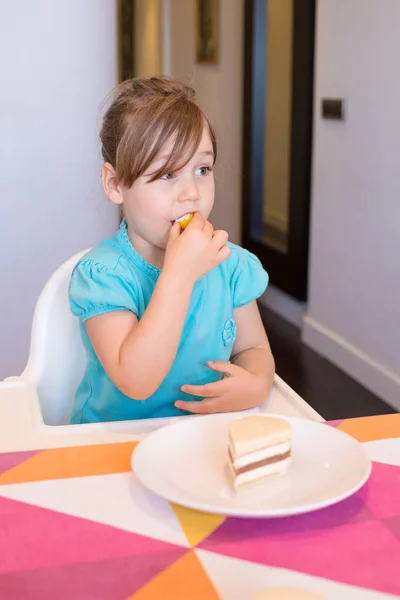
point(57, 358)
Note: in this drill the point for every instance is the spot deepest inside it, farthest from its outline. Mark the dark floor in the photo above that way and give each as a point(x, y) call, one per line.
point(331, 392)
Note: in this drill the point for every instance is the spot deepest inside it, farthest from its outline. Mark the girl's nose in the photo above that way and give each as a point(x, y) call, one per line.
point(189, 191)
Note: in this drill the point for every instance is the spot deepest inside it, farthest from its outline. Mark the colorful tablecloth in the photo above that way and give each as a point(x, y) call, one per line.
point(75, 523)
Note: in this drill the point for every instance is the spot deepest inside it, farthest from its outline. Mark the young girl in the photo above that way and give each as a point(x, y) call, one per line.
point(168, 316)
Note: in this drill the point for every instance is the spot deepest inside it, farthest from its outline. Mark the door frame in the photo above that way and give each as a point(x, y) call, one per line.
point(288, 271)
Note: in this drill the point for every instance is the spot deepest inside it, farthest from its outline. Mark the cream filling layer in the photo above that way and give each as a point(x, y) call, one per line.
point(261, 472)
point(259, 455)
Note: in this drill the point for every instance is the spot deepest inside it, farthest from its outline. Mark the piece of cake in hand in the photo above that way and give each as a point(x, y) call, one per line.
point(185, 220)
point(259, 446)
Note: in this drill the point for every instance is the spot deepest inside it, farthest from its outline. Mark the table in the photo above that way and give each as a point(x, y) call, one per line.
point(75, 523)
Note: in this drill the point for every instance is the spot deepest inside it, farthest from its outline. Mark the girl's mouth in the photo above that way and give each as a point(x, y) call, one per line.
point(184, 220)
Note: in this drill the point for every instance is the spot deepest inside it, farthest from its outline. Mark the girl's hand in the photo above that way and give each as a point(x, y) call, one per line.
point(195, 251)
point(239, 390)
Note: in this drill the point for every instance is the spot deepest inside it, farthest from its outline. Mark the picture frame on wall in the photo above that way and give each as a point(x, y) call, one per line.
point(207, 29)
point(126, 58)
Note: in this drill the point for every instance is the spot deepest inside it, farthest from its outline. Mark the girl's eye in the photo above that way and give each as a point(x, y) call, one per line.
point(204, 170)
point(167, 176)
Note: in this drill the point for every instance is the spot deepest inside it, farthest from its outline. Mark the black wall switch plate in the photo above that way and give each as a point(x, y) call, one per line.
point(332, 108)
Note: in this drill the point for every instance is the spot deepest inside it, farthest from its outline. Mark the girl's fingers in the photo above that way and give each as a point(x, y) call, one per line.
point(223, 253)
point(211, 405)
point(208, 229)
point(208, 390)
point(220, 238)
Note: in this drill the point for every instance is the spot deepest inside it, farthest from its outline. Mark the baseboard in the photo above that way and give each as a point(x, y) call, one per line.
point(361, 367)
point(284, 305)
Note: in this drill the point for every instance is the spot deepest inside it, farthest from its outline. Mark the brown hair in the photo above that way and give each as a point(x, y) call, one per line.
point(144, 115)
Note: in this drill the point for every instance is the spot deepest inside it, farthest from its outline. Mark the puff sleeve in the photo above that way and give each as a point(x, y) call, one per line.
point(96, 289)
point(248, 280)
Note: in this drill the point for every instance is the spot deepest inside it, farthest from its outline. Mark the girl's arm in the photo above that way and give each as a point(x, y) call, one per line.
point(137, 355)
point(251, 349)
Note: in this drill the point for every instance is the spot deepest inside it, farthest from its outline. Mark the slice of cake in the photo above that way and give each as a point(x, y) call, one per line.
point(258, 447)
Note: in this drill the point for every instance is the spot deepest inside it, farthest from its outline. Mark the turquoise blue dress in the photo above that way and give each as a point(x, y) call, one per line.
point(113, 276)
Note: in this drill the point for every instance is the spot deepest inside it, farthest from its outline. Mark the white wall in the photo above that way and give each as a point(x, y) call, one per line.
point(219, 89)
point(58, 63)
point(354, 292)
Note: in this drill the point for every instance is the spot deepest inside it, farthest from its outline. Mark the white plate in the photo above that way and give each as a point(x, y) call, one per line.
point(187, 463)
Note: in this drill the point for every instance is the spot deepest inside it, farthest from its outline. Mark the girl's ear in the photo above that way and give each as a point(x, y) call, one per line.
point(110, 184)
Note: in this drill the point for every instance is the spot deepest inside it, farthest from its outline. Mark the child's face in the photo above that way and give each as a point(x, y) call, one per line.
point(151, 207)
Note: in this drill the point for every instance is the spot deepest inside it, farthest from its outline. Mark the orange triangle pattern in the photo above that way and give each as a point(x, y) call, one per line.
point(186, 579)
point(77, 461)
point(369, 429)
point(197, 526)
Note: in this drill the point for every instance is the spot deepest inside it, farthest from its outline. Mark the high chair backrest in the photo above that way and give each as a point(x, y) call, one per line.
point(57, 358)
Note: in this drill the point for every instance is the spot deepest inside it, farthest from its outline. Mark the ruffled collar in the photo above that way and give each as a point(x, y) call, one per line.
point(134, 255)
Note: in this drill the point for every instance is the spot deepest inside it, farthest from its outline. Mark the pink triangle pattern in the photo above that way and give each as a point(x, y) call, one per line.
point(334, 423)
point(115, 579)
point(352, 542)
point(9, 460)
point(37, 538)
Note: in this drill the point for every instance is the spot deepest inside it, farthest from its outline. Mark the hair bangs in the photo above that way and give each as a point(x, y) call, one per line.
point(184, 130)
point(161, 118)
